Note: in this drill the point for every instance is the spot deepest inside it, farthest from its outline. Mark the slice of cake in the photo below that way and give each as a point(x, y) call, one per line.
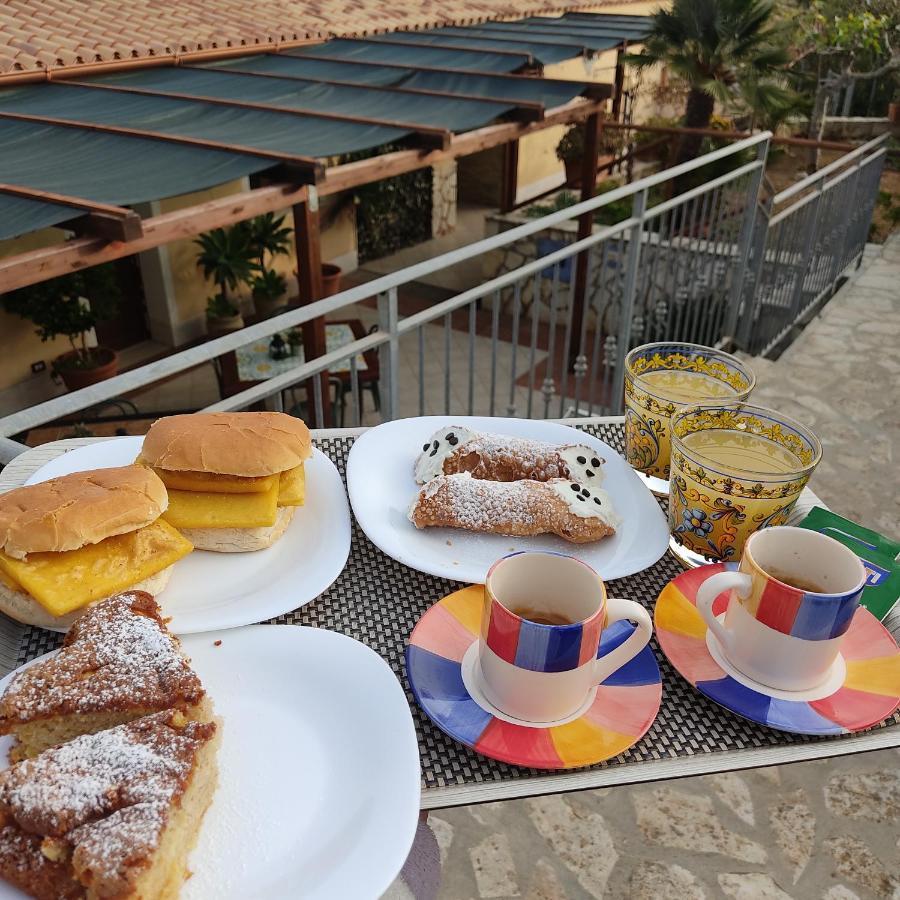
point(111, 814)
point(117, 663)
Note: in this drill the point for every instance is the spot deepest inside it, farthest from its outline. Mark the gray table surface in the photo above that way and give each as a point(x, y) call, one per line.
point(648, 770)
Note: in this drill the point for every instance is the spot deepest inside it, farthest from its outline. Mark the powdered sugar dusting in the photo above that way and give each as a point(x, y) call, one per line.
point(106, 794)
point(117, 656)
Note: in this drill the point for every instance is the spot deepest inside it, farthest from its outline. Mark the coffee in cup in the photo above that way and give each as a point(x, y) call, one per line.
point(541, 623)
point(789, 606)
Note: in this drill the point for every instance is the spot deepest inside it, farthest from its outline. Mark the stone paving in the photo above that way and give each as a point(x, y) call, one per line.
point(827, 829)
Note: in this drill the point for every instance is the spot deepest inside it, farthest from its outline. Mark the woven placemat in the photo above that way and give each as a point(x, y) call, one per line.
point(378, 601)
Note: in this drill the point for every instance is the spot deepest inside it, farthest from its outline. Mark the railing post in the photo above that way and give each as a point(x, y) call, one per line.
point(388, 352)
point(309, 276)
point(9, 450)
point(809, 246)
point(745, 239)
point(626, 314)
point(743, 332)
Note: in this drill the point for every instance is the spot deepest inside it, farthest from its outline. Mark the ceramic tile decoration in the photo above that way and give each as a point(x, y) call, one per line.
point(736, 468)
point(662, 378)
point(867, 691)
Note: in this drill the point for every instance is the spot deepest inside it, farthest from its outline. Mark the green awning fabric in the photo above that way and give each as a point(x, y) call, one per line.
point(102, 167)
point(310, 67)
point(424, 56)
point(549, 91)
point(279, 132)
point(19, 214)
point(455, 114)
point(543, 51)
point(200, 126)
point(544, 47)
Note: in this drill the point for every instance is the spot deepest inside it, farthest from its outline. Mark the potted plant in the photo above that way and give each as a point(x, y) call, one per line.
point(295, 341)
point(227, 259)
point(269, 288)
point(71, 306)
point(222, 316)
point(267, 236)
point(570, 151)
point(331, 279)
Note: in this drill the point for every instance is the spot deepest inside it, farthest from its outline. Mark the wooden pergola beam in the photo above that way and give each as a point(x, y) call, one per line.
point(306, 168)
point(424, 135)
point(115, 223)
point(81, 253)
point(524, 110)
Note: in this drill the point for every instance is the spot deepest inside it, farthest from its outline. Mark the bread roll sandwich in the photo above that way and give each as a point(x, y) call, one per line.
point(72, 541)
point(234, 479)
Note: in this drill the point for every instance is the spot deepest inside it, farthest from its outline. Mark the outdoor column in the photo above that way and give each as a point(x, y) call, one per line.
point(309, 281)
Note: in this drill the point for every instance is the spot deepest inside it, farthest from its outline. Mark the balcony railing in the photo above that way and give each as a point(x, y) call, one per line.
point(558, 314)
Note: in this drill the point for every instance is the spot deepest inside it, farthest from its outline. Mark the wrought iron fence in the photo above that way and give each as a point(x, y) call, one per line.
point(805, 238)
point(529, 341)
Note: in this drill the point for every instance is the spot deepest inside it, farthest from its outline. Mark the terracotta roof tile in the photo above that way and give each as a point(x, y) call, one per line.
point(58, 33)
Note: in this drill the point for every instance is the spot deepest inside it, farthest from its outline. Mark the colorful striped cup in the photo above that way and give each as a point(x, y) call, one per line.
point(544, 673)
point(789, 605)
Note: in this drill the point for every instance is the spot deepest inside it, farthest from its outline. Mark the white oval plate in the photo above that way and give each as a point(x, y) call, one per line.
point(381, 485)
point(209, 591)
point(319, 780)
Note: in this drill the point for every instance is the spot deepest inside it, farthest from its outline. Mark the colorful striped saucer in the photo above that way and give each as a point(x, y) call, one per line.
point(868, 693)
point(618, 716)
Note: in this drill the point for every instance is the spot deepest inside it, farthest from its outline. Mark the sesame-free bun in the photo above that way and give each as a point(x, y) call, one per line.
point(246, 444)
point(24, 608)
point(240, 540)
point(75, 510)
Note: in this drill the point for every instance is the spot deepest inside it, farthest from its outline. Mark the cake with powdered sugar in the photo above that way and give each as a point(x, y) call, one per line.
point(118, 662)
point(111, 814)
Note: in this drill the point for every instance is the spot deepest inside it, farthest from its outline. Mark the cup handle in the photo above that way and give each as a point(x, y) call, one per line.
point(616, 610)
point(707, 593)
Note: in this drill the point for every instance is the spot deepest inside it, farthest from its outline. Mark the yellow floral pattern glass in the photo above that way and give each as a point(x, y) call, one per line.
point(662, 378)
point(736, 468)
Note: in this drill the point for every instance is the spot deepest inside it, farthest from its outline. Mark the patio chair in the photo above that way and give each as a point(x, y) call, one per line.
point(293, 406)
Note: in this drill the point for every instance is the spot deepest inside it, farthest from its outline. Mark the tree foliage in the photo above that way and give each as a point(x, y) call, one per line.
point(727, 52)
point(57, 306)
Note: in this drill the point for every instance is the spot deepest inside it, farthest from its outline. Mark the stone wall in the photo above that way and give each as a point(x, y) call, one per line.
point(443, 198)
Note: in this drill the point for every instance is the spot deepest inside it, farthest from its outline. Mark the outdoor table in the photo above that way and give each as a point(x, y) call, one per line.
point(250, 364)
point(378, 601)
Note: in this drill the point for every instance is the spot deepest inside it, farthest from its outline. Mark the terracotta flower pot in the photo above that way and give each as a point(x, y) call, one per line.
point(216, 327)
point(75, 378)
point(573, 171)
point(894, 113)
point(331, 279)
point(265, 306)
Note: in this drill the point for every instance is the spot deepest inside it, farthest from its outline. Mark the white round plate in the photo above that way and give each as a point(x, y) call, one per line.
point(381, 486)
point(319, 781)
point(207, 590)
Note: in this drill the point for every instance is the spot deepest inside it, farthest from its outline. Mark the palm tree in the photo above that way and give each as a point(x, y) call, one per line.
point(722, 49)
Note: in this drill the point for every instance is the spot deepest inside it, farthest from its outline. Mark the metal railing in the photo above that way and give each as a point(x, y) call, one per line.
point(524, 342)
point(805, 239)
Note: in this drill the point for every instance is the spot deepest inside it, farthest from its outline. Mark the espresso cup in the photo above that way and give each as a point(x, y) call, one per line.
point(546, 672)
point(788, 607)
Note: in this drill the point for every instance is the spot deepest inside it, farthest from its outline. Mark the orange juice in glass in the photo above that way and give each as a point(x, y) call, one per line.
point(736, 468)
point(661, 379)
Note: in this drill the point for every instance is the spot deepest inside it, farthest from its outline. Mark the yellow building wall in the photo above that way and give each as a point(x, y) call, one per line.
point(538, 168)
point(192, 290)
point(19, 345)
